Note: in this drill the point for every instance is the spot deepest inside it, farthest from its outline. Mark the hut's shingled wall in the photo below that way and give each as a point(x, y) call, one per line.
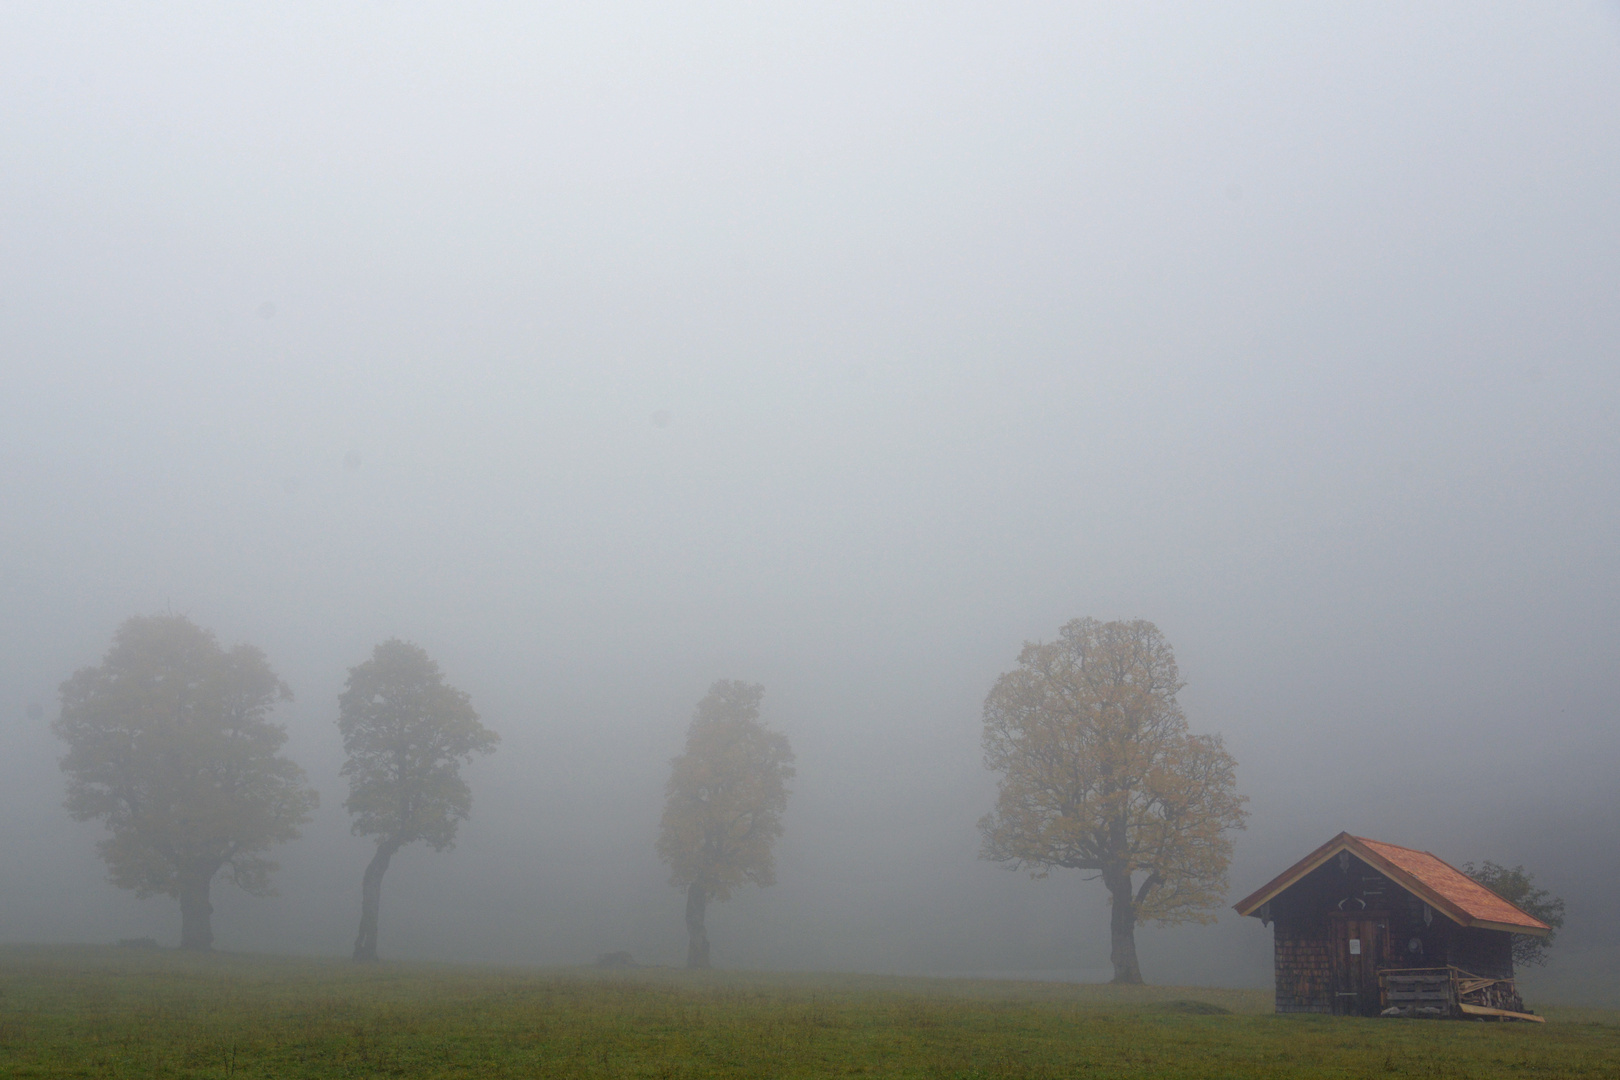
point(1304, 975)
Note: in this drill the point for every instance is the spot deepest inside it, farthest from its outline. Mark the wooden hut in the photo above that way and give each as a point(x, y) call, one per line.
point(1366, 928)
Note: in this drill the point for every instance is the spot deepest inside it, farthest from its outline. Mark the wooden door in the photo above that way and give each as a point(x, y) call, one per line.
point(1360, 948)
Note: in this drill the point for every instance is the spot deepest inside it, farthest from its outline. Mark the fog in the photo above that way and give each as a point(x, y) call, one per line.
point(841, 348)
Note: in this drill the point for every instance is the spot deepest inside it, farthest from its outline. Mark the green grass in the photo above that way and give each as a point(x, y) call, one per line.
point(138, 1013)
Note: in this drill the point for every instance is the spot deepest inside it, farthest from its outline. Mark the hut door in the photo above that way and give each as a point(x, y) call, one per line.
point(1360, 948)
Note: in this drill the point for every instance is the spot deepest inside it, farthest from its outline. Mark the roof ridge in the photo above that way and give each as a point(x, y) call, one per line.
point(1398, 847)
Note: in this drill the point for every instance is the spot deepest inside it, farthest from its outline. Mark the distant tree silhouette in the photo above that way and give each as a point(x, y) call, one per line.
point(406, 734)
point(723, 805)
point(1100, 773)
point(1517, 887)
point(170, 745)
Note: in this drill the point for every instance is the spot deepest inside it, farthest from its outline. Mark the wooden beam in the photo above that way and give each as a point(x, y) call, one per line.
point(1500, 1014)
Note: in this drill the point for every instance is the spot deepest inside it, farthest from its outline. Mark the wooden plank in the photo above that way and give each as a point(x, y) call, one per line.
point(1481, 1010)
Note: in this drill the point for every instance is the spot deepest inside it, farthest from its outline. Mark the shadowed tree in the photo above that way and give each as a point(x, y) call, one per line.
point(723, 807)
point(171, 746)
point(406, 734)
point(1100, 773)
point(1517, 887)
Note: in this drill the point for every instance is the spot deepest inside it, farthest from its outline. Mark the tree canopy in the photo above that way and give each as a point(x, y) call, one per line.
point(1100, 773)
point(1517, 886)
point(407, 734)
point(724, 803)
point(170, 745)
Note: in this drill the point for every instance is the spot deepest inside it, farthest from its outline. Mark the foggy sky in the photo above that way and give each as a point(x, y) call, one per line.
point(841, 348)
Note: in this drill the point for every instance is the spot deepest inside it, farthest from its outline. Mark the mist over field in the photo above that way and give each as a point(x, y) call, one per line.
point(842, 349)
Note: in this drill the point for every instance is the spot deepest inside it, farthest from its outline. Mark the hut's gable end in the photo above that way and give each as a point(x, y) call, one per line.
point(1345, 885)
point(1303, 916)
point(1417, 935)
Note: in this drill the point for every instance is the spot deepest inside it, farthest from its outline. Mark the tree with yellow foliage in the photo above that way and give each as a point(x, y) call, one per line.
point(1100, 774)
point(723, 806)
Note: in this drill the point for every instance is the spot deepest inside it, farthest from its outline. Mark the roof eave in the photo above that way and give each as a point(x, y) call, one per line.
point(1512, 928)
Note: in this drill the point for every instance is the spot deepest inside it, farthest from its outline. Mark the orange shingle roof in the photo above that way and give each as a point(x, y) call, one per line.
point(1439, 884)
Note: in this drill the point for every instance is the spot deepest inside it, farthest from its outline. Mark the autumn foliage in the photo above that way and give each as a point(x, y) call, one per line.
point(724, 803)
point(1100, 773)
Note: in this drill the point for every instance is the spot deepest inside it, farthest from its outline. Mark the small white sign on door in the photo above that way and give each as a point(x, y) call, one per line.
point(1355, 946)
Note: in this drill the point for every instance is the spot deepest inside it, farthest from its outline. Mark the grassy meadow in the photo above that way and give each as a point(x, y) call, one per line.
point(109, 1012)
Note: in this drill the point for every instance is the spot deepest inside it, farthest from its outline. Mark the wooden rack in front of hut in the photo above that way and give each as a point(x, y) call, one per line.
point(1449, 993)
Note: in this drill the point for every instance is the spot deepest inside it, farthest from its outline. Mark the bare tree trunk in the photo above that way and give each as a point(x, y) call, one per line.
point(1122, 927)
point(365, 943)
point(697, 937)
point(196, 928)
